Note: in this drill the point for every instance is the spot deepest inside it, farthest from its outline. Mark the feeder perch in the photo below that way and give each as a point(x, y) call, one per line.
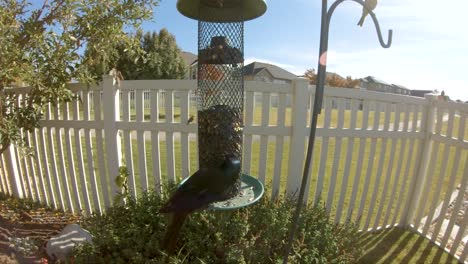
point(220, 89)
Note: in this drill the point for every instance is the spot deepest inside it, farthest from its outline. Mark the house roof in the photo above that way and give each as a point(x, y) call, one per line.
point(372, 79)
point(420, 93)
point(400, 86)
point(188, 57)
point(277, 72)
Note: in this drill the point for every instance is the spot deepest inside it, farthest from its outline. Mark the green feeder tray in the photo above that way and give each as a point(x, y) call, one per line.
point(250, 192)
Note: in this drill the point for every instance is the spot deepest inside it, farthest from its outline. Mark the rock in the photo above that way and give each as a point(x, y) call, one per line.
point(60, 246)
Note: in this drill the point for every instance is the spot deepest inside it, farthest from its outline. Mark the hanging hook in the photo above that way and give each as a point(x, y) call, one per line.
point(374, 18)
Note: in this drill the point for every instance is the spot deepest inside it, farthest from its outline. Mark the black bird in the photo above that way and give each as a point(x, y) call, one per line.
point(204, 187)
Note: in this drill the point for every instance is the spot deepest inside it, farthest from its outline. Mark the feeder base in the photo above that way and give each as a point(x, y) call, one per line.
point(251, 190)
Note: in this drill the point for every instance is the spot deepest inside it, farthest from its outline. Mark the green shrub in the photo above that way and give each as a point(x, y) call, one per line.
point(257, 234)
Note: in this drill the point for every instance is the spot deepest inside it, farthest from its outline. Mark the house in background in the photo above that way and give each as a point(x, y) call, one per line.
point(371, 83)
point(191, 65)
point(399, 89)
point(259, 71)
point(420, 93)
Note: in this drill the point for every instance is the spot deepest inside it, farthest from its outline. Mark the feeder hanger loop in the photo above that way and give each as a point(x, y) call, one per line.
point(374, 18)
point(326, 15)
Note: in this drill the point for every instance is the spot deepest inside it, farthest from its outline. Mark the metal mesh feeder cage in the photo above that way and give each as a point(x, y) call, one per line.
point(220, 91)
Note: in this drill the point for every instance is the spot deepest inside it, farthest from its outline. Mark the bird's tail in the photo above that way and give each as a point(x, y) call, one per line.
point(172, 232)
point(361, 21)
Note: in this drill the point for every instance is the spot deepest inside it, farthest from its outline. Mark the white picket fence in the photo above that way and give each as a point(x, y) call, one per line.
point(381, 160)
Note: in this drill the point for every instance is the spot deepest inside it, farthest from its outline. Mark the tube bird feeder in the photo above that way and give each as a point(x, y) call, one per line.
point(220, 89)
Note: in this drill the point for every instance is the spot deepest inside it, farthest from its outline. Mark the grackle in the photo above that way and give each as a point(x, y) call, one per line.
point(204, 187)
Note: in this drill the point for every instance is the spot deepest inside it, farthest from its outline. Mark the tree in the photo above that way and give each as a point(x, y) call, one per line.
point(161, 59)
point(332, 80)
point(41, 46)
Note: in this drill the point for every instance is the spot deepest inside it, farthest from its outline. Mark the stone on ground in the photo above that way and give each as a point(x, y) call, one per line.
point(60, 246)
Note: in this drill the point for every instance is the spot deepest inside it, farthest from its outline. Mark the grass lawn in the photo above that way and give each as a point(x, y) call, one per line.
point(401, 246)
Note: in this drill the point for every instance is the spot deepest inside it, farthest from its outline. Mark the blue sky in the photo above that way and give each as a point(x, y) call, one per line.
point(429, 51)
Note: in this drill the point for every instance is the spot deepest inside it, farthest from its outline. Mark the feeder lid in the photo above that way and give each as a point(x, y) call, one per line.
point(222, 10)
point(220, 52)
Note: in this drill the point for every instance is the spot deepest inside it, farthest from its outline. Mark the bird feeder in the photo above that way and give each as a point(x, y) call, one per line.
point(220, 90)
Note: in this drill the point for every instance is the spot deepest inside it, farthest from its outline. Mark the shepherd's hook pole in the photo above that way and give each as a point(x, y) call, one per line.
point(321, 73)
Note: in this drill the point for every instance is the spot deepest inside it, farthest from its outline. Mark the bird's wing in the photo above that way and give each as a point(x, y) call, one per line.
point(200, 179)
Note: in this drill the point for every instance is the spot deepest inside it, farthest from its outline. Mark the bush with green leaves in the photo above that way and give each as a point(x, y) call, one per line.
point(132, 233)
point(41, 46)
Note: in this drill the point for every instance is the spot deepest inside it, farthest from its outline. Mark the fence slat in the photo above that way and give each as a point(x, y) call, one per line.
point(422, 164)
point(53, 163)
point(87, 107)
point(27, 175)
point(169, 103)
point(280, 121)
point(247, 146)
point(360, 161)
point(184, 136)
point(155, 141)
point(61, 156)
point(13, 179)
point(21, 178)
point(347, 167)
point(298, 136)
point(440, 178)
point(3, 176)
point(336, 157)
point(399, 163)
point(128, 144)
point(33, 170)
point(459, 202)
point(411, 150)
point(378, 172)
point(111, 115)
point(370, 165)
point(453, 177)
point(45, 159)
point(141, 142)
point(80, 158)
point(262, 163)
point(71, 170)
point(323, 152)
point(100, 151)
point(431, 172)
point(390, 165)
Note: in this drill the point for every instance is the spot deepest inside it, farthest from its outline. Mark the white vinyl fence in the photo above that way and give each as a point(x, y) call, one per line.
point(381, 160)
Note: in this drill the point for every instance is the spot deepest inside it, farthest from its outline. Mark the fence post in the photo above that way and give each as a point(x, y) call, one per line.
point(415, 190)
point(298, 135)
point(11, 164)
point(111, 104)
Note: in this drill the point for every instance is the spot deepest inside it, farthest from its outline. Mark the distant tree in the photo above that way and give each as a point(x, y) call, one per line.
point(42, 47)
point(161, 58)
point(333, 80)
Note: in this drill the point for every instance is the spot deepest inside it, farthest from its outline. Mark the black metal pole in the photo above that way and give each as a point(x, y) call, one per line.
point(319, 89)
point(313, 125)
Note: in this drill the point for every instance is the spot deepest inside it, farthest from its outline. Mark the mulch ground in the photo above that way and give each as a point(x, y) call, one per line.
point(24, 232)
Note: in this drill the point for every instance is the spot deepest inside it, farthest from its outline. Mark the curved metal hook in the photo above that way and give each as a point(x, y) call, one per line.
point(374, 18)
